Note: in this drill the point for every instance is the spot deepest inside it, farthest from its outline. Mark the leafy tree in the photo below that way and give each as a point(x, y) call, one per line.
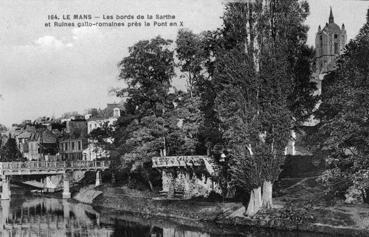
point(3, 128)
point(148, 71)
point(102, 137)
point(190, 53)
point(3, 136)
point(10, 152)
point(145, 142)
point(196, 61)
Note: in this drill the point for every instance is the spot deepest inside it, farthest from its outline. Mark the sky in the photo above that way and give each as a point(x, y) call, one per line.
point(46, 71)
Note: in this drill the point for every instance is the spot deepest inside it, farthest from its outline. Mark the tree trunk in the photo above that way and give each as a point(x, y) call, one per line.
point(151, 186)
point(148, 180)
point(267, 195)
point(255, 202)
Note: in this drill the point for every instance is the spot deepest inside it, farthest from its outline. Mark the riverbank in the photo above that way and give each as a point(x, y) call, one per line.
point(299, 208)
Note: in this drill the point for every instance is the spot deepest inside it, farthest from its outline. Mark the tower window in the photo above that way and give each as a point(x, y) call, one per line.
point(336, 48)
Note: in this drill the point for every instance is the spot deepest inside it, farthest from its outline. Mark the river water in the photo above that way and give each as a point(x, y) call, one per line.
point(27, 215)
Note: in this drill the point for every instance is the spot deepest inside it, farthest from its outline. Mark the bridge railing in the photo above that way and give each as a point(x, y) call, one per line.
point(39, 165)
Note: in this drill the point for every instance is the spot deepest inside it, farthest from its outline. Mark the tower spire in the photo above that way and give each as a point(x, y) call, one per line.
point(331, 18)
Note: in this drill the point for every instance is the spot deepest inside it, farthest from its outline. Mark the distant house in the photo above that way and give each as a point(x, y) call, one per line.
point(93, 152)
point(40, 144)
point(22, 141)
point(74, 139)
point(77, 126)
point(94, 123)
point(71, 148)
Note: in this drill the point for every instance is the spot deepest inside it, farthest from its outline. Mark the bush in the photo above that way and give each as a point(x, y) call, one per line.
point(296, 215)
point(336, 183)
point(357, 192)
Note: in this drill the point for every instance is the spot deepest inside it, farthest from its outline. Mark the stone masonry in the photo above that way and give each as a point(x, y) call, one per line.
point(187, 176)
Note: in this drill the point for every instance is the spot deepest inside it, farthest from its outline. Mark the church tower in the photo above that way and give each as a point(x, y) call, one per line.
point(329, 43)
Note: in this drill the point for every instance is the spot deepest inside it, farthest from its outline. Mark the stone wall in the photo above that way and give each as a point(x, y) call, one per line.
point(188, 184)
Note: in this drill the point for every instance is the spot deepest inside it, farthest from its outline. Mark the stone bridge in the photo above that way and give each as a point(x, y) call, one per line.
point(180, 175)
point(8, 169)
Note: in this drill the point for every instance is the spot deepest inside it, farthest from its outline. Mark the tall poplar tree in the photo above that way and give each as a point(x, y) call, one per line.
point(254, 79)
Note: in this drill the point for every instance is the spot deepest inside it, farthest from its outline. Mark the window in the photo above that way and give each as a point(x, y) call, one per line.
point(66, 146)
point(72, 146)
point(79, 145)
point(336, 48)
point(335, 36)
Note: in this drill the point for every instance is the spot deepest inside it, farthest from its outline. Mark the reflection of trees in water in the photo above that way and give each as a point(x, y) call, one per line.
point(50, 217)
point(124, 228)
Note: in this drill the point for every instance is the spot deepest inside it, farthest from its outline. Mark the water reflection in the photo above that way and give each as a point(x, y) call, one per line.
point(50, 217)
point(56, 217)
point(133, 229)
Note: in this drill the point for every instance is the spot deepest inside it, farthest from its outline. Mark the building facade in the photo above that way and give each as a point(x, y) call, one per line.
point(71, 148)
point(94, 123)
point(40, 144)
point(93, 152)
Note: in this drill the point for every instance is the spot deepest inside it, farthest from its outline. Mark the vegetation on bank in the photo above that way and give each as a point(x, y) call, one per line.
point(248, 86)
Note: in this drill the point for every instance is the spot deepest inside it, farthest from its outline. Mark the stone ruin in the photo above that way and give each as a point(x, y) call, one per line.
point(185, 177)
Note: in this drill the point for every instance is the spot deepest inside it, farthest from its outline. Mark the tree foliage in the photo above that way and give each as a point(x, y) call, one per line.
point(10, 152)
point(196, 53)
point(183, 123)
point(147, 71)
